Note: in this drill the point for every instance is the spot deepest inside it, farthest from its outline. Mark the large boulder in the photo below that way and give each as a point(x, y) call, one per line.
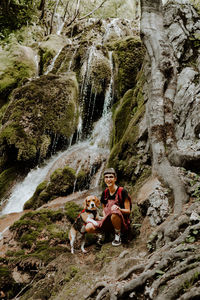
point(41, 115)
point(17, 63)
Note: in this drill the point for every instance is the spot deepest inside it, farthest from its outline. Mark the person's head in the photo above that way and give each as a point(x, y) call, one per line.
point(110, 176)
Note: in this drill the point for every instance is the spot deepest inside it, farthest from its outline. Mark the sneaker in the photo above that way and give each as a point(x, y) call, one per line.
point(117, 240)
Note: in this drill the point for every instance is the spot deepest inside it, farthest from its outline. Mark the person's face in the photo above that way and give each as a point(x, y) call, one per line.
point(110, 179)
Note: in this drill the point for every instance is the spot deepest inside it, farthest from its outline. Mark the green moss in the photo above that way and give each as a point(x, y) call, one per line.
point(13, 75)
point(61, 181)
point(7, 177)
point(81, 181)
point(73, 270)
point(40, 113)
point(29, 228)
point(72, 210)
point(122, 115)
point(124, 156)
point(128, 56)
point(34, 202)
point(100, 76)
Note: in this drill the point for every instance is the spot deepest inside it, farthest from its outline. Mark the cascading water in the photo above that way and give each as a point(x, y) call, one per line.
point(86, 154)
point(25, 189)
point(50, 67)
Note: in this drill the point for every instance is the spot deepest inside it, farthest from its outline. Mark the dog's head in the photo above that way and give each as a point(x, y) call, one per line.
point(91, 203)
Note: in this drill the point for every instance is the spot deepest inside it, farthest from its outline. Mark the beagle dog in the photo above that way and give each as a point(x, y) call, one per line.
point(88, 215)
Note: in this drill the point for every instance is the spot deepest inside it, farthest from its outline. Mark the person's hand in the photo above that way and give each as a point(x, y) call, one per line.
point(114, 207)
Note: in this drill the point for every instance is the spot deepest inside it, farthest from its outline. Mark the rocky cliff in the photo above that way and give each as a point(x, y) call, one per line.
point(56, 91)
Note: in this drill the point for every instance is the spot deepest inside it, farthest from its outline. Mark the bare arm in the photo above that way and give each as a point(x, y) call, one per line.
point(126, 210)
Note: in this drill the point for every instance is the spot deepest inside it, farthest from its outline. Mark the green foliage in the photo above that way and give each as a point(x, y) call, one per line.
point(72, 210)
point(14, 14)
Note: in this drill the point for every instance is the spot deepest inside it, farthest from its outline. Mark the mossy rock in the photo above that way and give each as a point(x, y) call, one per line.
point(32, 225)
point(122, 115)
point(46, 105)
point(128, 58)
point(61, 183)
point(17, 63)
point(124, 155)
point(32, 203)
point(48, 49)
point(100, 73)
point(7, 177)
point(82, 180)
point(72, 210)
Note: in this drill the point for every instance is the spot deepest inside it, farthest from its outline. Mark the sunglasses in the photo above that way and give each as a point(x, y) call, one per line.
point(109, 176)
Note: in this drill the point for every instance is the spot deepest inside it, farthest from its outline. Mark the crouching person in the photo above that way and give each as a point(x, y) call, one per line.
point(116, 210)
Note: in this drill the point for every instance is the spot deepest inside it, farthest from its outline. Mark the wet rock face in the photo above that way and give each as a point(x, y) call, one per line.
point(183, 29)
point(39, 114)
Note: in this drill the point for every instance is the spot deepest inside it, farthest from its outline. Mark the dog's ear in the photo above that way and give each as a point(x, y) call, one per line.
point(85, 203)
point(98, 203)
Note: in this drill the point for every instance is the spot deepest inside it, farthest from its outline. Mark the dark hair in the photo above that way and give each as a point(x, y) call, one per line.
point(110, 171)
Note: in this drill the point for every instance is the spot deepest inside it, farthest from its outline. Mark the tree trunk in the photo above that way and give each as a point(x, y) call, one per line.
point(161, 91)
point(53, 14)
point(42, 8)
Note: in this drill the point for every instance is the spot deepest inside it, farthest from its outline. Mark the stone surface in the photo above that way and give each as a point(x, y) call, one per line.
point(152, 198)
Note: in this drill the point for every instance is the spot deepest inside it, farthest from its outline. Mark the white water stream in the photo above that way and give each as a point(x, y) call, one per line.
point(25, 189)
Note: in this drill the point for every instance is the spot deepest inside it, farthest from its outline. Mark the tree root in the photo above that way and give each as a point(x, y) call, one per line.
point(132, 270)
point(193, 293)
point(100, 285)
point(169, 272)
point(173, 228)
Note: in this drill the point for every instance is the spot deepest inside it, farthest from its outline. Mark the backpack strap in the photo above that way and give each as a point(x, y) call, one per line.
point(106, 194)
point(119, 194)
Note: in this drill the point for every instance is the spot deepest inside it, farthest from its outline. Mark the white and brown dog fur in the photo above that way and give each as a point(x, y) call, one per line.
point(90, 214)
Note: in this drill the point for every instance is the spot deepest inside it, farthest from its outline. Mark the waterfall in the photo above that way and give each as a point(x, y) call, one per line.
point(72, 59)
point(25, 189)
point(50, 67)
point(37, 59)
point(89, 155)
point(80, 155)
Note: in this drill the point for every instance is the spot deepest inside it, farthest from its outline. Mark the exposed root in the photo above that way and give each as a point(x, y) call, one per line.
point(100, 285)
point(128, 273)
point(171, 272)
point(192, 294)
